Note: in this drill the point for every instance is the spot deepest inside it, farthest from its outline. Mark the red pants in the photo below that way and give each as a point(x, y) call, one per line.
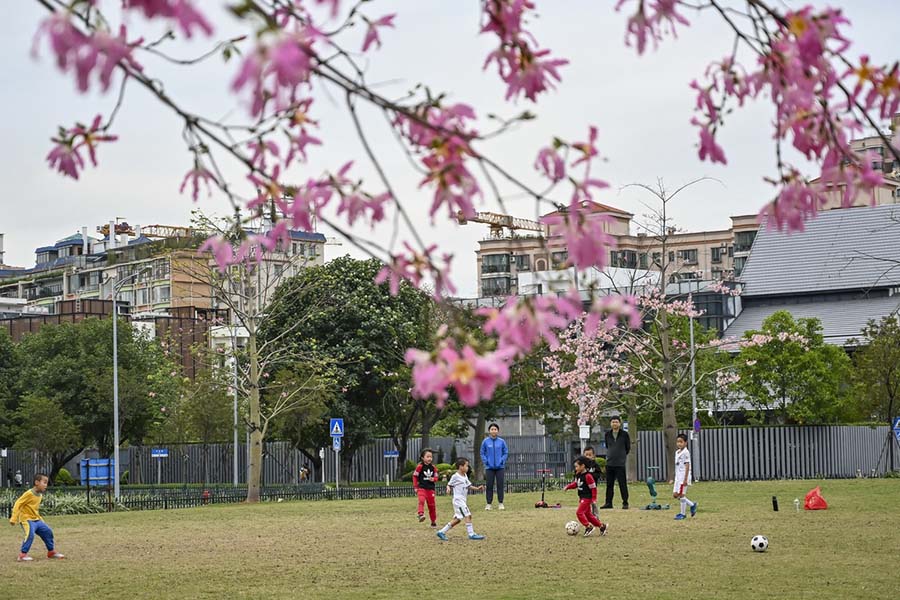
point(584, 514)
point(427, 496)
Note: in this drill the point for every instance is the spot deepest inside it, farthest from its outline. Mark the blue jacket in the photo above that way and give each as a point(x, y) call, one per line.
point(494, 453)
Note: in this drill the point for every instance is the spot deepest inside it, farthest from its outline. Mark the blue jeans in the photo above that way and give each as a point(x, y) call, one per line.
point(40, 529)
point(494, 475)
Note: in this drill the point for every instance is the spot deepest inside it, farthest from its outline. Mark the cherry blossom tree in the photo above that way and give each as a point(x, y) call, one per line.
point(292, 51)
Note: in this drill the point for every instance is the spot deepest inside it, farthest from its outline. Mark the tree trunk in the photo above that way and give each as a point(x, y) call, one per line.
point(670, 422)
point(256, 433)
point(477, 466)
point(631, 461)
point(402, 446)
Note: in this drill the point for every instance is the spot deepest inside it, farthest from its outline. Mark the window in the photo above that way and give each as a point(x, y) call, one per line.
point(739, 263)
point(717, 252)
point(642, 260)
point(126, 297)
point(495, 263)
point(743, 240)
point(614, 258)
point(540, 265)
point(162, 294)
point(495, 286)
point(523, 262)
point(558, 259)
point(657, 259)
point(717, 274)
point(142, 296)
point(161, 269)
point(688, 256)
point(279, 269)
point(671, 256)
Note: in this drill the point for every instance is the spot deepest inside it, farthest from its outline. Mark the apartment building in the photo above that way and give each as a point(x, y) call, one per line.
point(159, 265)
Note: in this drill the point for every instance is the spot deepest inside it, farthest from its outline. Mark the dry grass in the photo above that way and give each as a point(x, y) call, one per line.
point(376, 549)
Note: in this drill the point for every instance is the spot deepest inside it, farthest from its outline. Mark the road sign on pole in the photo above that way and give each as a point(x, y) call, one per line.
point(392, 454)
point(336, 428)
point(897, 428)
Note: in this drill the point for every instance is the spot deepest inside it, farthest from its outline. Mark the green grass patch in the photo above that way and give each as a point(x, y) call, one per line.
point(376, 549)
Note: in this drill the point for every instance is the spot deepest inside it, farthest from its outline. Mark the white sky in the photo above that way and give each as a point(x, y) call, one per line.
point(641, 105)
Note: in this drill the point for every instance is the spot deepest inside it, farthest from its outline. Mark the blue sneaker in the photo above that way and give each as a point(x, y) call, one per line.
point(476, 536)
point(694, 510)
point(442, 536)
point(680, 517)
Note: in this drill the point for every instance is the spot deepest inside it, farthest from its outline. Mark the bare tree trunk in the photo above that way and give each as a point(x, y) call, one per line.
point(633, 431)
point(477, 466)
point(670, 422)
point(256, 432)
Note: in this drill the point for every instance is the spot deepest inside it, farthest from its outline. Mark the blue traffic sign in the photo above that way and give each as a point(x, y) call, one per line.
point(897, 427)
point(336, 428)
point(336, 444)
point(159, 453)
point(392, 454)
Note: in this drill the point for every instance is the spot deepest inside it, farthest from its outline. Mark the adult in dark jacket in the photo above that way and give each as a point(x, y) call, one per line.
point(493, 455)
point(618, 445)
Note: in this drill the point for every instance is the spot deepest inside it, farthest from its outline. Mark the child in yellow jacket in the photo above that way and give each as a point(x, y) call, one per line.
point(25, 513)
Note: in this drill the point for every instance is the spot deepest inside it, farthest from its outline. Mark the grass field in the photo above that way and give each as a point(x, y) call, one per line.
point(376, 549)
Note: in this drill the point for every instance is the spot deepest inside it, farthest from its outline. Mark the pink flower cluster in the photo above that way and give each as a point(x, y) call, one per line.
point(441, 136)
point(275, 70)
point(86, 54)
point(372, 30)
point(417, 267)
point(797, 71)
point(727, 378)
point(526, 69)
point(723, 288)
point(65, 156)
point(473, 376)
point(180, 11)
point(355, 202)
point(612, 310)
point(522, 323)
point(652, 20)
point(195, 177)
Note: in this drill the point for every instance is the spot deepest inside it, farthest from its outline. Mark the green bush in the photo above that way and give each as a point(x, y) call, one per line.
point(64, 478)
point(445, 471)
point(124, 479)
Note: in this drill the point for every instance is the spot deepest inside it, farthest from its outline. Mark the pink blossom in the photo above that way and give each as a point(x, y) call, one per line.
point(520, 324)
point(415, 267)
point(195, 176)
point(474, 376)
point(709, 147)
point(65, 159)
point(101, 51)
point(587, 241)
point(221, 249)
point(372, 30)
point(181, 11)
point(550, 164)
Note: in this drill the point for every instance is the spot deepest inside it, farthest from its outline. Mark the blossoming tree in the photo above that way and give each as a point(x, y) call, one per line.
point(294, 50)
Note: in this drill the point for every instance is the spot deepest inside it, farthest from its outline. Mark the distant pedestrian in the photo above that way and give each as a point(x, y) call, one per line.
point(493, 454)
point(17, 480)
point(618, 445)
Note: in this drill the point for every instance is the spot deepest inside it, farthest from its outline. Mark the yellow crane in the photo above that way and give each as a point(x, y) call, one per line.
point(498, 222)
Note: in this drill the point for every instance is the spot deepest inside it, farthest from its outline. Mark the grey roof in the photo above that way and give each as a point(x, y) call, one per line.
point(841, 319)
point(844, 249)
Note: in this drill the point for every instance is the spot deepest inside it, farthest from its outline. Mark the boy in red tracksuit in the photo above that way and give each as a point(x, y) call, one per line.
point(423, 481)
point(587, 495)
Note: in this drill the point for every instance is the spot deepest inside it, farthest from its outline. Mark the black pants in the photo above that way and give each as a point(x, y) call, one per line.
point(613, 474)
point(492, 475)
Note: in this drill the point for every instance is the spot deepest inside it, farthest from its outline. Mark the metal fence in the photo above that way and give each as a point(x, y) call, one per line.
point(755, 453)
point(727, 454)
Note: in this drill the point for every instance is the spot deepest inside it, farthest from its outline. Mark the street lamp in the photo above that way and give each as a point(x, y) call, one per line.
point(116, 287)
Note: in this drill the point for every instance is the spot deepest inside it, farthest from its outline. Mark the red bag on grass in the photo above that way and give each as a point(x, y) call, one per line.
point(814, 500)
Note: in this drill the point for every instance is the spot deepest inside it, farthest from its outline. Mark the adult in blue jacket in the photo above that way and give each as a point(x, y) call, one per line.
point(493, 455)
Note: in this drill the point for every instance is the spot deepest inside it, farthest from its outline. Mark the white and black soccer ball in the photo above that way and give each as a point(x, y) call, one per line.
point(759, 543)
point(573, 527)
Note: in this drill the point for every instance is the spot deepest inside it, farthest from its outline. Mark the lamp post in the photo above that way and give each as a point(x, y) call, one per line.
point(116, 288)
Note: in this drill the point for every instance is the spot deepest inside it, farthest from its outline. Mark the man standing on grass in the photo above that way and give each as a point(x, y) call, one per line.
point(493, 455)
point(618, 445)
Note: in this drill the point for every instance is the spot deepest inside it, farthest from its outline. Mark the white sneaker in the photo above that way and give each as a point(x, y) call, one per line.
point(488, 507)
point(24, 558)
point(501, 507)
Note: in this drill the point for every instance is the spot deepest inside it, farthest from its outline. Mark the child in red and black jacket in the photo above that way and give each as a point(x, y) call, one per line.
point(587, 495)
point(423, 481)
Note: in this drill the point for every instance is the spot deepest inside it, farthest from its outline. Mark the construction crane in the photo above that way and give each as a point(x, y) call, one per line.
point(498, 223)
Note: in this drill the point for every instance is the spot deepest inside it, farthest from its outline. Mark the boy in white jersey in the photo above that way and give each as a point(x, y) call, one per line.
point(683, 476)
point(460, 485)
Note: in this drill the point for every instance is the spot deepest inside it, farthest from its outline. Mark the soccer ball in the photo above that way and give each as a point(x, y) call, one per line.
point(759, 543)
point(572, 527)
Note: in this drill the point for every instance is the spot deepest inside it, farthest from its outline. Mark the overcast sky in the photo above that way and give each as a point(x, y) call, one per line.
point(641, 105)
